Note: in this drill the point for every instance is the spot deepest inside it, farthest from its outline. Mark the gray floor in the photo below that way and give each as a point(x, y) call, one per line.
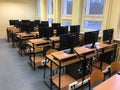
point(15, 73)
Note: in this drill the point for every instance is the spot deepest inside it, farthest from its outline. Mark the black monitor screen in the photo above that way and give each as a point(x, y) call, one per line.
point(36, 22)
point(91, 38)
point(45, 23)
point(64, 41)
point(25, 21)
point(46, 32)
point(69, 41)
point(13, 22)
point(75, 29)
point(55, 25)
point(31, 26)
point(108, 35)
point(41, 30)
point(62, 30)
point(18, 24)
point(24, 27)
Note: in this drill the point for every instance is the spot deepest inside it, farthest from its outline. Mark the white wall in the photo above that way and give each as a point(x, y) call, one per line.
point(15, 9)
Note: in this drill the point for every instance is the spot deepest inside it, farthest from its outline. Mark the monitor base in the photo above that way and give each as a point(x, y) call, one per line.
point(90, 46)
point(69, 51)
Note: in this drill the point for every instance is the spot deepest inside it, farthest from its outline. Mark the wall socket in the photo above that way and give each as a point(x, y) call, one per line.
point(73, 85)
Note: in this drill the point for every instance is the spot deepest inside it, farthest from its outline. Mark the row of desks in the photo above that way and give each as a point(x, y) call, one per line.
point(63, 59)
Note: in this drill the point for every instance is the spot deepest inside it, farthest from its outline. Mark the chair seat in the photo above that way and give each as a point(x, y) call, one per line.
point(38, 60)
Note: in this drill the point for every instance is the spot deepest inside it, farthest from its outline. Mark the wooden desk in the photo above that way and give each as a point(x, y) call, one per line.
point(10, 32)
point(39, 41)
point(63, 59)
point(37, 45)
point(55, 41)
point(113, 83)
point(23, 38)
point(80, 50)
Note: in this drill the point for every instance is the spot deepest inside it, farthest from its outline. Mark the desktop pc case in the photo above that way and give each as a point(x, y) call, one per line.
point(79, 69)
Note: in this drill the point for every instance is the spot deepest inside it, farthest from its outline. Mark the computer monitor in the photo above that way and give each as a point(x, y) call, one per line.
point(62, 30)
point(64, 41)
point(91, 38)
point(75, 29)
point(69, 41)
point(56, 25)
point(25, 21)
point(41, 30)
point(108, 35)
point(23, 27)
point(45, 32)
point(36, 22)
point(45, 23)
point(13, 22)
point(31, 26)
point(18, 24)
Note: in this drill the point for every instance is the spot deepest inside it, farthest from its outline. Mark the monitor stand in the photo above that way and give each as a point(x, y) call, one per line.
point(91, 46)
point(69, 51)
point(46, 38)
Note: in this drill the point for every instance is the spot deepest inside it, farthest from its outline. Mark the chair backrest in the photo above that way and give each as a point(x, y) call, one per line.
point(50, 51)
point(114, 66)
point(96, 76)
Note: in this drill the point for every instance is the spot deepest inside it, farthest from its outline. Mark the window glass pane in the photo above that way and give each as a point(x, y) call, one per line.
point(66, 23)
point(38, 7)
point(66, 7)
point(94, 6)
point(93, 25)
point(50, 20)
point(50, 6)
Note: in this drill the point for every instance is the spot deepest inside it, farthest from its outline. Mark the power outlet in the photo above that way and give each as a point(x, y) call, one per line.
point(73, 85)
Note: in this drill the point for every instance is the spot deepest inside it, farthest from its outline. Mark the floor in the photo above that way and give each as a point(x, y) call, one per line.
point(15, 73)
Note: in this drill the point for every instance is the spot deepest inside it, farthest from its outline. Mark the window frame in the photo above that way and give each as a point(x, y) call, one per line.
point(51, 15)
point(91, 17)
point(66, 17)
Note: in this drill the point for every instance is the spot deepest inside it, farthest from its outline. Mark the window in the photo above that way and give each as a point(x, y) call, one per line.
point(50, 6)
point(67, 7)
point(50, 20)
point(66, 12)
point(93, 15)
point(38, 9)
point(50, 11)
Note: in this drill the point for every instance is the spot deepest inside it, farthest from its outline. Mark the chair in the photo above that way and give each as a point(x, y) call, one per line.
point(115, 66)
point(54, 66)
point(95, 77)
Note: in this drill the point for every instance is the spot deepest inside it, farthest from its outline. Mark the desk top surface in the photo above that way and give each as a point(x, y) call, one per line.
point(55, 38)
point(80, 50)
point(113, 83)
point(38, 41)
